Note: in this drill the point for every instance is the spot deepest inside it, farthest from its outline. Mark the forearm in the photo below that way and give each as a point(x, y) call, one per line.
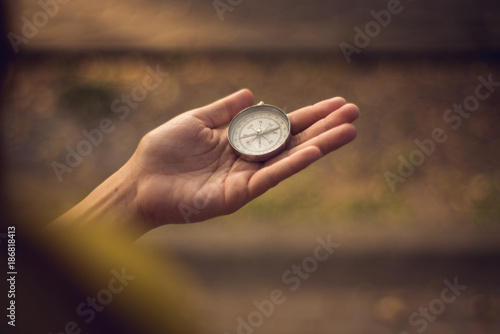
point(111, 206)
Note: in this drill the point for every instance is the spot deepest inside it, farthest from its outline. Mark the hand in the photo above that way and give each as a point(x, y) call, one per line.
point(185, 170)
point(188, 171)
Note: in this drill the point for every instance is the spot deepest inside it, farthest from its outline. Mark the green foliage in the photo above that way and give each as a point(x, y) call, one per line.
point(87, 101)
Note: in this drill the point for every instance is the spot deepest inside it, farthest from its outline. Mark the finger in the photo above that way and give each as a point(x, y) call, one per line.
point(330, 140)
point(303, 118)
point(325, 143)
point(222, 111)
point(348, 113)
point(295, 160)
point(269, 176)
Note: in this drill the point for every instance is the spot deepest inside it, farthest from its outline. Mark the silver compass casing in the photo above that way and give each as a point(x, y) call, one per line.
point(266, 112)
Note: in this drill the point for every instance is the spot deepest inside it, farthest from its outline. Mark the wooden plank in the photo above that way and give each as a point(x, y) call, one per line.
point(419, 25)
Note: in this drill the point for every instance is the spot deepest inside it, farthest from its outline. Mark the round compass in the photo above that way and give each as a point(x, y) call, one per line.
point(260, 132)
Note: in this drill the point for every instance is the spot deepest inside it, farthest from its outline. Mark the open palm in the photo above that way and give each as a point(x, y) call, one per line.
point(186, 170)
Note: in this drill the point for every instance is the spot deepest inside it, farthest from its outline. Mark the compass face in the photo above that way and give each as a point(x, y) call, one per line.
point(260, 132)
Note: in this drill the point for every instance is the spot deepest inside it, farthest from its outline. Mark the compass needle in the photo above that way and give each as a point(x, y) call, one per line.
point(248, 136)
point(269, 131)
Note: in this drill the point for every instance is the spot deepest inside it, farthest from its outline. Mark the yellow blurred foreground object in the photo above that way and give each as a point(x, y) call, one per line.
point(90, 281)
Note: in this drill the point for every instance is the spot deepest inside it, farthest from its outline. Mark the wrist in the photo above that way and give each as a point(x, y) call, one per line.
point(111, 206)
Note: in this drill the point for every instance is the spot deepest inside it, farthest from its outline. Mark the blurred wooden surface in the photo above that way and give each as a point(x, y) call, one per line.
point(422, 26)
point(373, 282)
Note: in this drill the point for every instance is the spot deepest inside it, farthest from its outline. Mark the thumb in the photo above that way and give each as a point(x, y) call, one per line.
point(222, 111)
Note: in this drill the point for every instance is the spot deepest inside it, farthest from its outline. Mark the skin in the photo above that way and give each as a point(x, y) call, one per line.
point(185, 170)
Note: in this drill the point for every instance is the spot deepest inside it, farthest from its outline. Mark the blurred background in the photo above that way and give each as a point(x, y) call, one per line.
point(68, 63)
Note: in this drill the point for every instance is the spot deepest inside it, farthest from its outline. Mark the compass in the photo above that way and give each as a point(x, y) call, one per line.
point(260, 132)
